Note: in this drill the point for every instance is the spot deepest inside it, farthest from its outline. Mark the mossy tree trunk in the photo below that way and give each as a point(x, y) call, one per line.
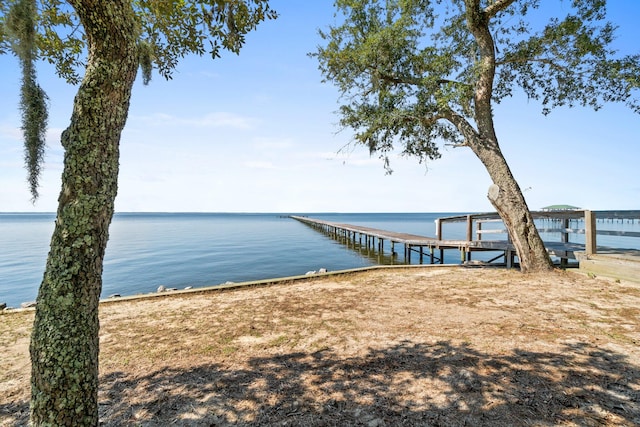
point(64, 343)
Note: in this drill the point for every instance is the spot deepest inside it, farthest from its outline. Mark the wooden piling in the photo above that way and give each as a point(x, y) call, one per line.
point(590, 233)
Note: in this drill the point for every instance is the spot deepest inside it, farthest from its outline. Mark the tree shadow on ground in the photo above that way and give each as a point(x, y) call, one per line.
point(404, 384)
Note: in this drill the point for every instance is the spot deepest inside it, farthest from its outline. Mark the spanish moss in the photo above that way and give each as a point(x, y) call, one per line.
point(145, 53)
point(33, 99)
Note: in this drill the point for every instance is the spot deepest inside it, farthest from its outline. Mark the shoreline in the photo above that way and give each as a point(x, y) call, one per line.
point(147, 250)
point(250, 284)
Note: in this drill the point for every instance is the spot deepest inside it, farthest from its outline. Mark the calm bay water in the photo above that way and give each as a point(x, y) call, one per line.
point(147, 250)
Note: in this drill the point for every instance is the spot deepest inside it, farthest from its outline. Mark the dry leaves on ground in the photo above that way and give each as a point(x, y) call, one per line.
point(425, 346)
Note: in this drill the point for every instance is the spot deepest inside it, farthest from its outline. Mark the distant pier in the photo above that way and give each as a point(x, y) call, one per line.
point(424, 247)
point(562, 223)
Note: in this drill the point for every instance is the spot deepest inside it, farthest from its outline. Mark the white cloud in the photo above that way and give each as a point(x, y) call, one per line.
point(222, 119)
point(362, 161)
point(10, 132)
point(257, 164)
point(213, 120)
point(272, 143)
point(54, 135)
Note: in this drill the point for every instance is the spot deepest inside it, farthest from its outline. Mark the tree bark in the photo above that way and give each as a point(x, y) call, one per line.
point(64, 343)
point(506, 197)
point(505, 194)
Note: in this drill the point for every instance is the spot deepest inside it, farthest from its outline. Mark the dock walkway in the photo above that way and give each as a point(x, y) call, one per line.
point(423, 246)
point(432, 248)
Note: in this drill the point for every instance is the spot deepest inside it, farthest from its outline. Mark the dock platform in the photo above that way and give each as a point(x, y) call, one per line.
point(424, 247)
point(432, 249)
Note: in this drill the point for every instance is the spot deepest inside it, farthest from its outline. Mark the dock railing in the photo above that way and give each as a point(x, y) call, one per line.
point(562, 223)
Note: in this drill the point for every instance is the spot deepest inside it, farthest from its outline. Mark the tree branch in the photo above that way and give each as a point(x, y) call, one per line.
point(491, 10)
point(410, 80)
point(432, 119)
point(546, 61)
point(478, 25)
point(466, 129)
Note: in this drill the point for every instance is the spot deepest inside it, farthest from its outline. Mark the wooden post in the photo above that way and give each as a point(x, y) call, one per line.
point(565, 239)
point(590, 233)
point(565, 232)
point(438, 229)
point(469, 228)
point(478, 233)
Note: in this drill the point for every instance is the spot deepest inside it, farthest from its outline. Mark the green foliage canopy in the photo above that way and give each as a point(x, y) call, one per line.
point(411, 71)
point(167, 32)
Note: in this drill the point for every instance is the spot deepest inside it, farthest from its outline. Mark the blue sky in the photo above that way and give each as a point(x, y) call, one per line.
point(258, 133)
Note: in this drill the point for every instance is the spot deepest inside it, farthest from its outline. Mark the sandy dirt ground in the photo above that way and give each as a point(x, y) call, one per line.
point(428, 346)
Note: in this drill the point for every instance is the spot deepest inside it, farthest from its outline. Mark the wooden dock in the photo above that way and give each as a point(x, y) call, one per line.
point(432, 249)
point(424, 247)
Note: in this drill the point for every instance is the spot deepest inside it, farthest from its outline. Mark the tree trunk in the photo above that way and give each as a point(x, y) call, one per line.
point(64, 342)
point(505, 194)
point(507, 199)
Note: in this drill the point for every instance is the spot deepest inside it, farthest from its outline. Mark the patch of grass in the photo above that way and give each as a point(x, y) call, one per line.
point(229, 350)
point(279, 341)
point(226, 339)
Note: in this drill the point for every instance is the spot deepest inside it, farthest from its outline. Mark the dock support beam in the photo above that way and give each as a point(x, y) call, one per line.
point(508, 258)
point(590, 233)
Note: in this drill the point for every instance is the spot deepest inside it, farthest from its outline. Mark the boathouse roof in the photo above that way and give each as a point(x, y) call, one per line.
point(560, 208)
